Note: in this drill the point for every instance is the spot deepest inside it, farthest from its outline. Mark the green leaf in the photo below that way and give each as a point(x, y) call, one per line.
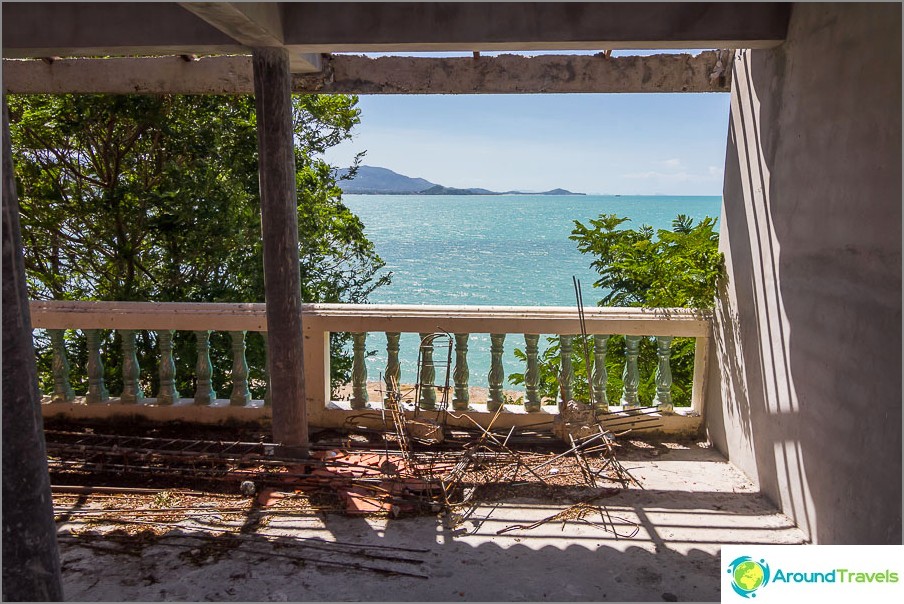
point(141, 197)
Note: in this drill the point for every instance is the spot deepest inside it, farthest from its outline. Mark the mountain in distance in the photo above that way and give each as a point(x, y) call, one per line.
point(441, 190)
point(380, 181)
point(372, 180)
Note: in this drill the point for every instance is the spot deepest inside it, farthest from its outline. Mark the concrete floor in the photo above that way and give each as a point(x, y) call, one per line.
point(692, 503)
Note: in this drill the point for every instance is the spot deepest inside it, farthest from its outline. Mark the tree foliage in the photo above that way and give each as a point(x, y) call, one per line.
point(677, 268)
point(637, 267)
point(139, 197)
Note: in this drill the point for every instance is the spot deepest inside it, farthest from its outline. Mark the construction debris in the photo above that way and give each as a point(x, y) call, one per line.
point(422, 468)
point(341, 555)
point(577, 420)
point(425, 431)
point(575, 512)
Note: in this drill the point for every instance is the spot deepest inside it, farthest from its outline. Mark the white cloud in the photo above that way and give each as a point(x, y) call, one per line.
point(672, 163)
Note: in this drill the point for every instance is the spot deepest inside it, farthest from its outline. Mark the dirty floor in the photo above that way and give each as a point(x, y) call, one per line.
point(656, 543)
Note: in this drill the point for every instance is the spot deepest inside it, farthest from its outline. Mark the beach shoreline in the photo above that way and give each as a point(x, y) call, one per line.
point(376, 391)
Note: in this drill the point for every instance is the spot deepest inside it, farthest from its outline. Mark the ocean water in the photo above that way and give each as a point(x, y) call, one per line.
point(510, 250)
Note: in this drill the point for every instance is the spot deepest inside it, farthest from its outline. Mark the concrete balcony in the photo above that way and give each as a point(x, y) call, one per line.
point(430, 395)
point(659, 538)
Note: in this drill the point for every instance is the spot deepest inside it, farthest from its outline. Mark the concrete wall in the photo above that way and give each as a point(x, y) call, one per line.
point(807, 347)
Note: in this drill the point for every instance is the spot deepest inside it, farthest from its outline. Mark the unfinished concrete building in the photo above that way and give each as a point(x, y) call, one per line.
point(798, 379)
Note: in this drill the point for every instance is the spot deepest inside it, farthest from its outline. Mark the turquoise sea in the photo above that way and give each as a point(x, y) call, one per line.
point(509, 250)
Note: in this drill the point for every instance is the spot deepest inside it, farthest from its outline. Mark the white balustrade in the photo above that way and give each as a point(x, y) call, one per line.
point(319, 320)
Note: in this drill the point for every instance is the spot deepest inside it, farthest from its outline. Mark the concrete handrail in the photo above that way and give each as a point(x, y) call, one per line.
point(319, 320)
point(678, 322)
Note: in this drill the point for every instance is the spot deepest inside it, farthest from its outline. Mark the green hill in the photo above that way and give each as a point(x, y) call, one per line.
point(372, 180)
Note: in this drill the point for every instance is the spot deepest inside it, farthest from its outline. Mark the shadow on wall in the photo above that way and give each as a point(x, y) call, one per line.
point(749, 335)
point(808, 326)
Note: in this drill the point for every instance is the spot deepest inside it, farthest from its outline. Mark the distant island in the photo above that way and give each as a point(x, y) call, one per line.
point(371, 180)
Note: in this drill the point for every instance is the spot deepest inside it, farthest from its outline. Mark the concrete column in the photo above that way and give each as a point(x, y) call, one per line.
point(279, 225)
point(31, 560)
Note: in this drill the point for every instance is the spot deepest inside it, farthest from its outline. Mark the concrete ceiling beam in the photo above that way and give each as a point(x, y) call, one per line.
point(476, 26)
point(60, 29)
point(706, 72)
point(77, 29)
point(253, 24)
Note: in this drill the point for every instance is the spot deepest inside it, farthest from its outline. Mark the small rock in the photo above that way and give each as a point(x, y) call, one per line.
point(669, 597)
point(248, 488)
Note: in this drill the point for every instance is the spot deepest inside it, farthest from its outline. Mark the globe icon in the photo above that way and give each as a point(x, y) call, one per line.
point(748, 575)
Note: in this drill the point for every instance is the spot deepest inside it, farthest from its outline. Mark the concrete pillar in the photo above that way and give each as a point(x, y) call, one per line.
point(279, 225)
point(31, 560)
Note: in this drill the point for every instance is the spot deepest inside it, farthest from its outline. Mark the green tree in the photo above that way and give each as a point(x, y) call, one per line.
point(139, 197)
point(677, 268)
point(637, 267)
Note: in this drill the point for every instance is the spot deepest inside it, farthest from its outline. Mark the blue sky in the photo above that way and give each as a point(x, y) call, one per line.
point(632, 144)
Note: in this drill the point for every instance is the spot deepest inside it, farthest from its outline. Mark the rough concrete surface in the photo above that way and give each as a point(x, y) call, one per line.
point(692, 503)
point(708, 71)
point(805, 387)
